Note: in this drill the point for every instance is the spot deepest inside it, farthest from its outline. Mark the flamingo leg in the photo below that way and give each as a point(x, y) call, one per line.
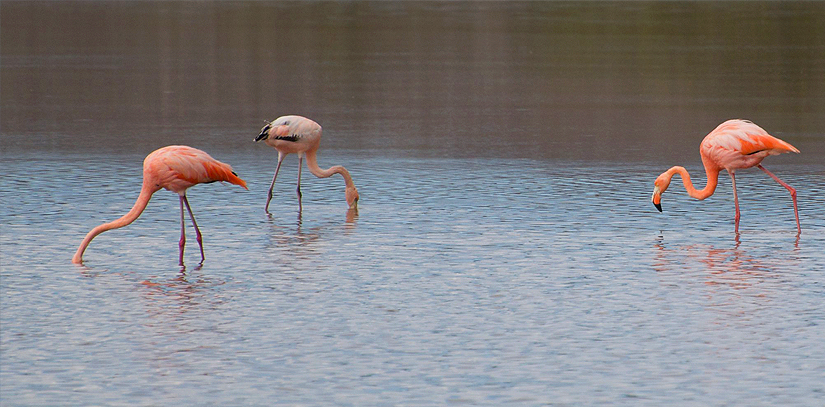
point(272, 185)
point(182, 242)
point(735, 202)
point(793, 196)
point(300, 165)
point(198, 235)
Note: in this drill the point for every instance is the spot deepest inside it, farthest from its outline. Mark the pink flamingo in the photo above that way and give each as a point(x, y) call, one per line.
point(297, 134)
point(733, 145)
point(175, 168)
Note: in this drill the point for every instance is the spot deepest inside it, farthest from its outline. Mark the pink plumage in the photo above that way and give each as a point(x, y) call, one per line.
point(298, 135)
point(737, 144)
point(175, 168)
point(733, 145)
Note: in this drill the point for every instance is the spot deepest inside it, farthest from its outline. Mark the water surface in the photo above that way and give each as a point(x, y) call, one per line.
point(505, 250)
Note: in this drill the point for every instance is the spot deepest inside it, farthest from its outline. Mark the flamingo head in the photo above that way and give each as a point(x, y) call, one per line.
point(659, 187)
point(264, 132)
point(352, 197)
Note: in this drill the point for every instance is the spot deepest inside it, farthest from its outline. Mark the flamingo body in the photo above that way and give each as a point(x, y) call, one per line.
point(175, 168)
point(739, 144)
point(299, 135)
point(733, 145)
point(291, 134)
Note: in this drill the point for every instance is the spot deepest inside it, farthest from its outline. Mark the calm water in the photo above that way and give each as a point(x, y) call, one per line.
point(505, 250)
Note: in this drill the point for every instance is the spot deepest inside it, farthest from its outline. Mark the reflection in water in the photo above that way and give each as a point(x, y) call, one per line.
point(181, 313)
point(300, 238)
point(196, 268)
point(352, 215)
point(748, 293)
point(179, 290)
point(171, 308)
point(734, 267)
point(296, 246)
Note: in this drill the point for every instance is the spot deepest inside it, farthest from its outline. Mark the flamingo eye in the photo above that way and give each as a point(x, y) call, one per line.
point(286, 123)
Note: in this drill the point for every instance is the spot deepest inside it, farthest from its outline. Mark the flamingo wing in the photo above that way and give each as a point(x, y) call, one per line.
point(290, 128)
point(179, 167)
point(745, 138)
point(285, 132)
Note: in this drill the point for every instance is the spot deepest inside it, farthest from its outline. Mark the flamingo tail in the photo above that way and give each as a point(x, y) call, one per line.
point(219, 171)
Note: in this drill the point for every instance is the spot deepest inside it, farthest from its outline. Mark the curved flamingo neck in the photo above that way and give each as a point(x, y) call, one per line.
point(710, 187)
point(312, 164)
point(143, 199)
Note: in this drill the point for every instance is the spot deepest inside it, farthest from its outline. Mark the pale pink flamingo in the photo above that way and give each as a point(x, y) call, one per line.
point(733, 145)
point(175, 168)
point(299, 135)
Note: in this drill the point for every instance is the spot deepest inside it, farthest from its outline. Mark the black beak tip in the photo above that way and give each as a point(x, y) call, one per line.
point(264, 132)
point(658, 206)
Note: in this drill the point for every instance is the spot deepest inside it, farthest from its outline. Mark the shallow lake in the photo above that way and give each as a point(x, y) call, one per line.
point(505, 250)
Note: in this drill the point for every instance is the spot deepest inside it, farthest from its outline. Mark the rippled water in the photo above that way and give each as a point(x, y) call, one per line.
point(505, 250)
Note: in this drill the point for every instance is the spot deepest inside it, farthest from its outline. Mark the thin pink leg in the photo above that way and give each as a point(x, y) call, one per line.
point(793, 196)
point(182, 242)
point(272, 185)
point(735, 202)
point(300, 165)
point(198, 236)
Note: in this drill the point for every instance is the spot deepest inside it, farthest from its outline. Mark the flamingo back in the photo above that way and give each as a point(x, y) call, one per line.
point(295, 128)
point(177, 168)
point(291, 134)
point(745, 138)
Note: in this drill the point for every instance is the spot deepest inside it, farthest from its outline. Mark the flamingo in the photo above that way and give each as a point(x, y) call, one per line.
point(297, 134)
point(175, 168)
point(734, 144)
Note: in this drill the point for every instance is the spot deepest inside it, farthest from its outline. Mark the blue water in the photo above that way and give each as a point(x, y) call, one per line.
point(459, 281)
point(505, 250)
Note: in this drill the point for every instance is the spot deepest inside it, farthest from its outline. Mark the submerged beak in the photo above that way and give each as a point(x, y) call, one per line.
point(657, 198)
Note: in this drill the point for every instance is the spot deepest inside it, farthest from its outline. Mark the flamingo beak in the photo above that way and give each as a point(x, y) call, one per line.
point(264, 132)
point(657, 198)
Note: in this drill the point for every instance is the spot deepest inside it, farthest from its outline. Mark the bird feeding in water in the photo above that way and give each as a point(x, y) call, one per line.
point(299, 135)
point(175, 168)
point(733, 145)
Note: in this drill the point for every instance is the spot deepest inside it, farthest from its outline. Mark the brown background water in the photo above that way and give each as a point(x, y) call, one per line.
point(608, 81)
point(505, 251)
